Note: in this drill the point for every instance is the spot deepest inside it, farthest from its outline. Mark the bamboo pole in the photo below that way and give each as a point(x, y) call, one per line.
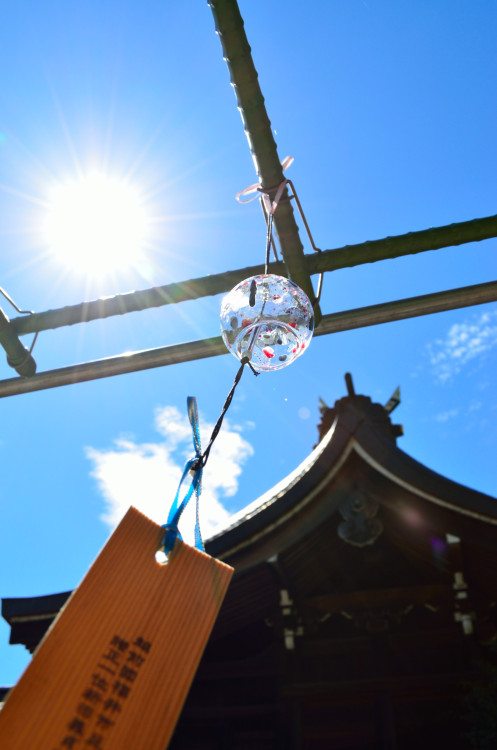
point(411, 307)
point(410, 243)
point(373, 251)
point(18, 356)
point(213, 347)
point(257, 125)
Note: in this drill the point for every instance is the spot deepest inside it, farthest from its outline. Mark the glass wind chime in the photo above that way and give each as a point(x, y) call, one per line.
point(267, 321)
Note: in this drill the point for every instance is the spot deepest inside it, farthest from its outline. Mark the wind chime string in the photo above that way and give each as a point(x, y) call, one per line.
point(293, 306)
point(268, 242)
point(270, 204)
point(192, 466)
point(195, 466)
point(256, 187)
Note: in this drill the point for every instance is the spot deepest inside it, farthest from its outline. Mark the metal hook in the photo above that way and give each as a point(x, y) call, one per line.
point(9, 299)
point(266, 219)
point(18, 356)
point(309, 234)
point(311, 240)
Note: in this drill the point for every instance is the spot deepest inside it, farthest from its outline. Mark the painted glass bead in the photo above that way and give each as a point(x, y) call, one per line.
point(268, 319)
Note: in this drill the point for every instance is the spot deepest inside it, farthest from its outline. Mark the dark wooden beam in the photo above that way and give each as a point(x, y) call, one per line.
point(377, 598)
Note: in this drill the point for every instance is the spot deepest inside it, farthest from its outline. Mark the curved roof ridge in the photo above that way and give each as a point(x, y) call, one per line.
point(353, 430)
point(276, 491)
point(392, 462)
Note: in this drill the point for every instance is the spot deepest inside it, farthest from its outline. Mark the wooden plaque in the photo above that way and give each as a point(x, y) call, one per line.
point(114, 669)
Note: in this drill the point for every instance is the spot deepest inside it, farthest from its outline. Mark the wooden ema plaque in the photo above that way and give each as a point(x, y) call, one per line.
point(114, 669)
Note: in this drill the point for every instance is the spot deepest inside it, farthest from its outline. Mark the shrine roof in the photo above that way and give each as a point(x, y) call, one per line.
point(357, 453)
point(359, 448)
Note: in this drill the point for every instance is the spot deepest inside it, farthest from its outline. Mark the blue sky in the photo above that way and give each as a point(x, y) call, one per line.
point(390, 112)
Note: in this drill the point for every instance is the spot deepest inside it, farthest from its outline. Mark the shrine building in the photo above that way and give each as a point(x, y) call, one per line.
point(362, 610)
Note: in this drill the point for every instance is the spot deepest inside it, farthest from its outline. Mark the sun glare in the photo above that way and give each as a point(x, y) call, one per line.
point(96, 224)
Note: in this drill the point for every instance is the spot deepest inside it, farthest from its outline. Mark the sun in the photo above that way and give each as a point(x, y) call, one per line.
point(96, 224)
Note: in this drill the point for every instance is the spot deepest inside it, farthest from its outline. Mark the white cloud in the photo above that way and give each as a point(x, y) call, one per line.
point(475, 406)
point(146, 475)
point(464, 342)
point(444, 416)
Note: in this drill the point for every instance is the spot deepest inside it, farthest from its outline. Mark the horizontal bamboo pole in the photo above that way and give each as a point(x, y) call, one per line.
point(329, 260)
point(123, 363)
point(144, 299)
point(193, 350)
point(410, 243)
point(411, 307)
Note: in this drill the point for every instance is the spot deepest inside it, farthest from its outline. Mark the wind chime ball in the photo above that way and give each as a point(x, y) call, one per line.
point(268, 319)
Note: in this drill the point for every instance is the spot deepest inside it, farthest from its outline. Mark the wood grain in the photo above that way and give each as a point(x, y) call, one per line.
point(114, 669)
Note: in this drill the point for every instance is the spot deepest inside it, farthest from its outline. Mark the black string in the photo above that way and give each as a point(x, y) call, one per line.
point(253, 292)
point(196, 468)
point(229, 398)
point(245, 360)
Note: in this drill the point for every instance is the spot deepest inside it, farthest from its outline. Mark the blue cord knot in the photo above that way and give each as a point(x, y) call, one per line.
point(193, 466)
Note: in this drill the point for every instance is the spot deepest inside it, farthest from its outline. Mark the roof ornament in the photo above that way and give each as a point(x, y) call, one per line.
point(359, 527)
point(393, 401)
point(350, 384)
point(322, 406)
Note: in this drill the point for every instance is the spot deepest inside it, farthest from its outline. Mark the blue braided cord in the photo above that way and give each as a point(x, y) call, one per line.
point(197, 480)
point(191, 402)
point(177, 508)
